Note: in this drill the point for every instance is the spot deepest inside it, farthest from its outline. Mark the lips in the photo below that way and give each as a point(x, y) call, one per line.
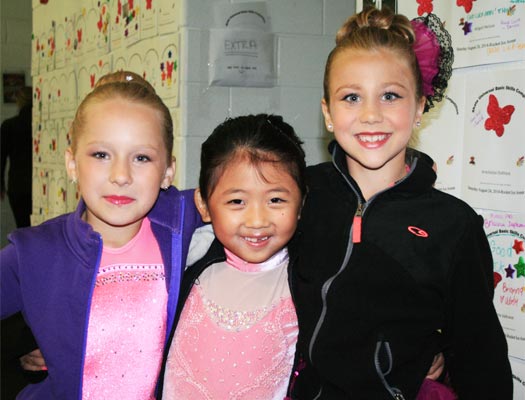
point(256, 241)
point(372, 140)
point(119, 200)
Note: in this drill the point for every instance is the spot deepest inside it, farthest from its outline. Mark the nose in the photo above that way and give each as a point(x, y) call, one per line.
point(120, 172)
point(371, 112)
point(256, 216)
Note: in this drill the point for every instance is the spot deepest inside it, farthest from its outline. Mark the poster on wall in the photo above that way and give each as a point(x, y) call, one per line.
point(241, 47)
point(441, 136)
point(506, 235)
point(494, 153)
point(487, 32)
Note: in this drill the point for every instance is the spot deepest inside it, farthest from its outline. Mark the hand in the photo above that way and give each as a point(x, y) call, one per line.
point(33, 361)
point(436, 369)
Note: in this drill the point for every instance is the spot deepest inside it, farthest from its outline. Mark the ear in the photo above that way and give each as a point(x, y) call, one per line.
point(71, 165)
point(169, 174)
point(302, 205)
point(327, 118)
point(420, 107)
point(201, 206)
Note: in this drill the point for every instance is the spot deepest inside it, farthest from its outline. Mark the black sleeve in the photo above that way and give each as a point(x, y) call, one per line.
point(478, 357)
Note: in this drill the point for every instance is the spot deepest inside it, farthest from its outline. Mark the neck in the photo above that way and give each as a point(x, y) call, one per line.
point(273, 262)
point(372, 181)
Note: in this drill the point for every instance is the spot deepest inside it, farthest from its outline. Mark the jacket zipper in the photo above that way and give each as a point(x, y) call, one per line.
point(356, 225)
point(355, 233)
point(394, 392)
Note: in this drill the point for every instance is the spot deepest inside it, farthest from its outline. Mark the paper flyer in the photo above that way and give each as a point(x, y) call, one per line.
point(441, 137)
point(494, 150)
point(506, 235)
point(487, 32)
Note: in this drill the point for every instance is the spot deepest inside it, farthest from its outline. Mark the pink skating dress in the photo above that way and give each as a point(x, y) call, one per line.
point(127, 323)
point(236, 336)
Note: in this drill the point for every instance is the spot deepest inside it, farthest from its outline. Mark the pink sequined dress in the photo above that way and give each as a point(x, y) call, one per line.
point(127, 322)
point(236, 335)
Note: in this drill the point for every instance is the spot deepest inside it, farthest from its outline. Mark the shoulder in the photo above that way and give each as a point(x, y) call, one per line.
point(7, 125)
point(47, 232)
point(321, 175)
point(457, 207)
point(319, 170)
point(173, 207)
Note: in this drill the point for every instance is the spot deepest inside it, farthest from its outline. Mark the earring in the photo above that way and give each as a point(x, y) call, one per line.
point(330, 127)
point(418, 124)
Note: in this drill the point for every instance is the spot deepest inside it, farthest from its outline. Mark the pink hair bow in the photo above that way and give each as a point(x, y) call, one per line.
point(427, 50)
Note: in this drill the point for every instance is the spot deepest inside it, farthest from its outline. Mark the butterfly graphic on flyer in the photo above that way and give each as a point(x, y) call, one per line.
point(498, 116)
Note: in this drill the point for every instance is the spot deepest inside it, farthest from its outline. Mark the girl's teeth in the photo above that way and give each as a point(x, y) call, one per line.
point(255, 240)
point(371, 138)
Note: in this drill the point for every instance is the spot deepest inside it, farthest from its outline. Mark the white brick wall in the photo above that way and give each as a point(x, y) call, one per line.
point(305, 32)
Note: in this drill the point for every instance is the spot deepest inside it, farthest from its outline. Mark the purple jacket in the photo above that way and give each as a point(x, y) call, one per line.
point(48, 272)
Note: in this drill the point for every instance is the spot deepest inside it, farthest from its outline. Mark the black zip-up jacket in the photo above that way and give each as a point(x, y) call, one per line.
point(373, 314)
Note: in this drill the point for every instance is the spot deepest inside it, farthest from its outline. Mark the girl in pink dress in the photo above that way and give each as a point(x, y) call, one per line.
point(236, 335)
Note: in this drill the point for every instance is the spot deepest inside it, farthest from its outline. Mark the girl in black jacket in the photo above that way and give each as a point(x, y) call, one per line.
point(389, 271)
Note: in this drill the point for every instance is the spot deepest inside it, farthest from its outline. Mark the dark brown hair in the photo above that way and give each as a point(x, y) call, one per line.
point(260, 138)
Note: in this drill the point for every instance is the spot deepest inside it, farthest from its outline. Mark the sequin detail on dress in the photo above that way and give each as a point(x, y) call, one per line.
point(209, 362)
point(128, 273)
point(233, 320)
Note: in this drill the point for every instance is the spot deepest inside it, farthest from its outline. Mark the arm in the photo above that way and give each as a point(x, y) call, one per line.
point(200, 243)
point(10, 293)
point(478, 358)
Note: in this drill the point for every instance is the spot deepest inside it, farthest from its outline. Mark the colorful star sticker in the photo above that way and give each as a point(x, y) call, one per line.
point(520, 268)
point(467, 28)
point(518, 246)
point(510, 271)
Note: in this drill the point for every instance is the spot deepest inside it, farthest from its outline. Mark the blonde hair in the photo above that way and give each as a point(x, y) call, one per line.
point(127, 86)
point(374, 29)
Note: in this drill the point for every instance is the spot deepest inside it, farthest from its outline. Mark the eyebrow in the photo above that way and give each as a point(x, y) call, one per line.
point(273, 190)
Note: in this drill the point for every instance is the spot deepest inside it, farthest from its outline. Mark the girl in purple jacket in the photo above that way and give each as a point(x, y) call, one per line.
point(99, 287)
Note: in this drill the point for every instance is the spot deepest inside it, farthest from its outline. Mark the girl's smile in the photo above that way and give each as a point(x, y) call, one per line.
point(253, 208)
point(372, 140)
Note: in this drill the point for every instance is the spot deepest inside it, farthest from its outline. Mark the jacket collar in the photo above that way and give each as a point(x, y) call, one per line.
point(166, 211)
point(87, 244)
point(420, 178)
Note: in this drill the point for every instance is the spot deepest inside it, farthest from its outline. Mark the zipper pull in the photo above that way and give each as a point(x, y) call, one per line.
point(356, 225)
point(398, 395)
